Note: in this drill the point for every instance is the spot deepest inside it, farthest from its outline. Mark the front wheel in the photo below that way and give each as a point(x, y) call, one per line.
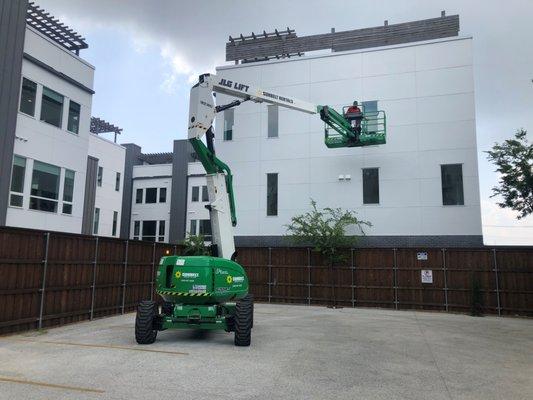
point(144, 322)
point(244, 316)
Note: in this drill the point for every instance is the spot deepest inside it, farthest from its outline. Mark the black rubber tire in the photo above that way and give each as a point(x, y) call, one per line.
point(167, 308)
point(144, 322)
point(244, 315)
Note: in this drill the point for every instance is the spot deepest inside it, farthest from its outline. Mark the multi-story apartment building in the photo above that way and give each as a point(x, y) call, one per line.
point(420, 187)
point(55, 174)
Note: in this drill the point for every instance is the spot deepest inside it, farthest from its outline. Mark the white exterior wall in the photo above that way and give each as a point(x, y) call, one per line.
point(195, 209)
point(427, 91)
point(151, 176)
point(111, 157)
point(40, 141)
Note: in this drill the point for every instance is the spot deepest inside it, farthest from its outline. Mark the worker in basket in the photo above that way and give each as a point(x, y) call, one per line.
point(355, 116)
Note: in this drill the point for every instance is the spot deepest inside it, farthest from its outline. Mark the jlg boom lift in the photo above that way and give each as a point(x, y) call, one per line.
point(211, 292)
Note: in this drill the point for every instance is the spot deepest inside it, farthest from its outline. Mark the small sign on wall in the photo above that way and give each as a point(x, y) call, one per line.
point(426, 275)
point(422, 256)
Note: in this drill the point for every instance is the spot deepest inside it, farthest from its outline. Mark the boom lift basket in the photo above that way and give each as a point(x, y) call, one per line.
point(338, 131)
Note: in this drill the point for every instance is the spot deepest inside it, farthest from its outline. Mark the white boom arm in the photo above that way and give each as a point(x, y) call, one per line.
point(202, 111)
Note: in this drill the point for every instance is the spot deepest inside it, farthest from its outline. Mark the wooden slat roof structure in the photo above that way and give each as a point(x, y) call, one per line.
point(156, 158)
point(51, 27)
point(99, 125)
point(281, 44)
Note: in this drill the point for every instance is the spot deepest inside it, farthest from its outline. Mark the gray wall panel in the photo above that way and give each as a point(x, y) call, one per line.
point(90, 196)
point(178, 201)
point(133, 153)
point(12, 31)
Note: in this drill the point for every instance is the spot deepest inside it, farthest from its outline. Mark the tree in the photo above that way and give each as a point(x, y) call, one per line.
point(195, 246)
point(514, 161)
point(325, 229)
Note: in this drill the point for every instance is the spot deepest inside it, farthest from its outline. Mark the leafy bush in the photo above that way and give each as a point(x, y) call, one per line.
point(325, 230)
point(194, 245)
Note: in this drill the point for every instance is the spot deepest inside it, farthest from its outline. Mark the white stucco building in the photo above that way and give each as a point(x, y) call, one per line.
point(62, 177)
point(150, 209)
point(423, 183)
point(198, 222)
point(109, 185)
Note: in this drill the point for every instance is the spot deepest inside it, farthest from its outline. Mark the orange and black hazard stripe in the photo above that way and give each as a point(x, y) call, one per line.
point(184, 294)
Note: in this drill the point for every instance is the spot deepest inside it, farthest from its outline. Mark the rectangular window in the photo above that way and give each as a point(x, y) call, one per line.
point(149, 229)
point(272, 121)
point(139, 196)
point(117, 182)
point(73, 123)
point(161, 237)
point(195, 195)
point(272, 194)
point(115, 220)
point(162, 195)
point(151, 195)
point(17, 181)
point(96, 221)
point(229, 116)
point(136, 230)
point(192, 229)
point(68, 191)
point(452, 184)
point(370, 186)
point(100, 176)
point(27, 97)
point(44, 187)
point(370, 108)
point(205, 195)
point(52, 107)
point(205, 229)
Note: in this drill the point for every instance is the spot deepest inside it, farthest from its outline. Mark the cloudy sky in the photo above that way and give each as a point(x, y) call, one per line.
point(146, 52)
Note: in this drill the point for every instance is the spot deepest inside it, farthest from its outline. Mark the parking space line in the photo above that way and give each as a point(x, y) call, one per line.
point(102, 346)
point(50, 385)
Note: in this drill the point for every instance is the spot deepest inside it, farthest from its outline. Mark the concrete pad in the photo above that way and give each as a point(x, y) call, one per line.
point(297, 352)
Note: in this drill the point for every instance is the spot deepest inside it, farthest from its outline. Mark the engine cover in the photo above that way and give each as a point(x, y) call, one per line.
point(200, 280)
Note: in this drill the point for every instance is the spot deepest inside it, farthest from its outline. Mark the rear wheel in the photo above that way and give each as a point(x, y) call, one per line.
point(144, 322)
point(244, 314)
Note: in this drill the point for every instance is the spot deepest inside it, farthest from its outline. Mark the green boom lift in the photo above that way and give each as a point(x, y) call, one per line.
point(211, 292)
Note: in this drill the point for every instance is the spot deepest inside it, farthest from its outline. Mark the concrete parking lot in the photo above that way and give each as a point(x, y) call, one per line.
point(297, 352)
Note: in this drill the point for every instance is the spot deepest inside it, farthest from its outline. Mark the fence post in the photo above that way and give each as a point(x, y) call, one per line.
point(152, 274)
point(308, 276)
point(124, 280)
point(353, 283)
point(93, 286)
point(497, 282)
point(43, 286)
point(395, 278)
point(269, 273)
point(445, 279)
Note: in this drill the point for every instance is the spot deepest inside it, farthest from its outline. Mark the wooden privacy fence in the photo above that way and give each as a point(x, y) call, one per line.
point(391, 278)
point(50, 278)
